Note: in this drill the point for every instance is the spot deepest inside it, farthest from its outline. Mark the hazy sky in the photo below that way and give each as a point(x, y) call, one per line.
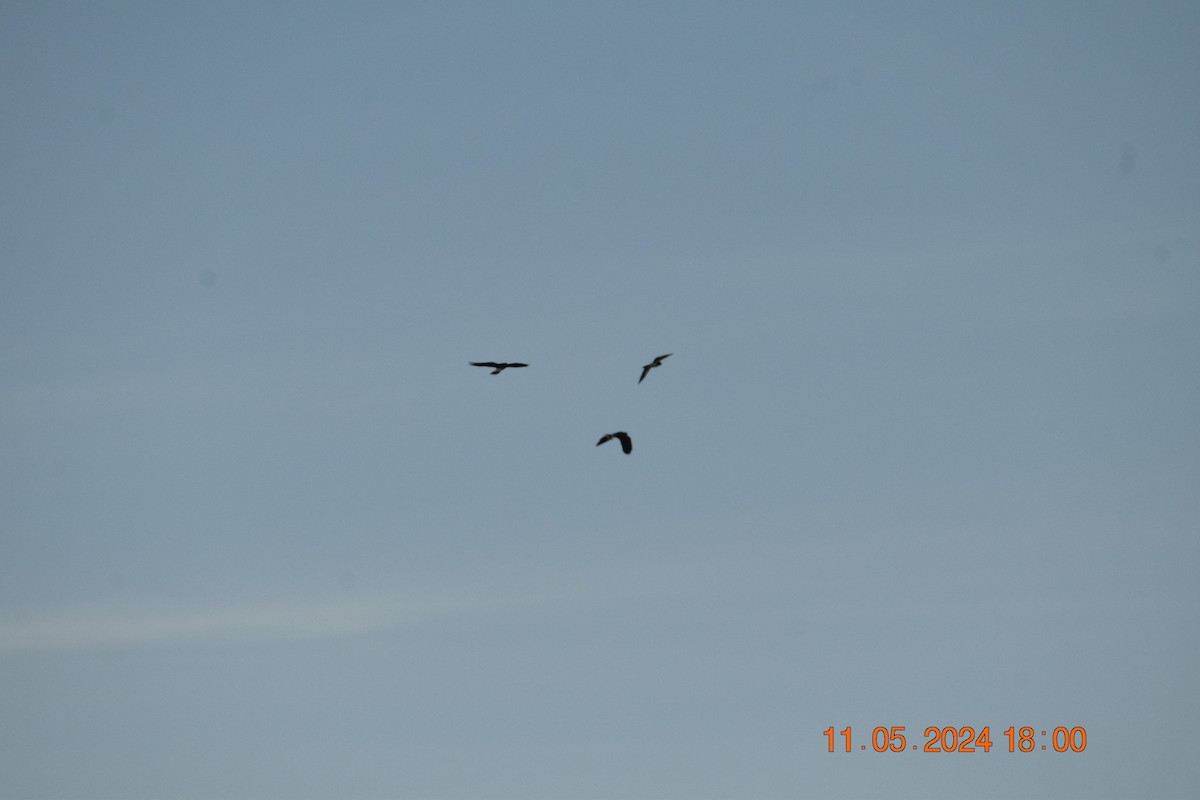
point(926, 453)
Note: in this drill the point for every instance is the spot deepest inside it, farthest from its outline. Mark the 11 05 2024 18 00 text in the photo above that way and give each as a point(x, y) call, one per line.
point(965, 739)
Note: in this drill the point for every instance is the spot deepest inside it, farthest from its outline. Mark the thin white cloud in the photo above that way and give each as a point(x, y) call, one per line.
point(157, 622)
point(105, 624)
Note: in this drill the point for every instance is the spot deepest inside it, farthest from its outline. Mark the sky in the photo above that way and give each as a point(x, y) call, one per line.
point(926, 452)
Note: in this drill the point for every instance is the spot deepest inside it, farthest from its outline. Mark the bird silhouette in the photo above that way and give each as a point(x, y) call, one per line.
point(496, 368)
point(655, 363)
point(622, 436)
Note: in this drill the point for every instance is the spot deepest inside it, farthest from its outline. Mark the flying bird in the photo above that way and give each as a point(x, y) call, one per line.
point(622, 436)
point(495, 367)
point(655, 363)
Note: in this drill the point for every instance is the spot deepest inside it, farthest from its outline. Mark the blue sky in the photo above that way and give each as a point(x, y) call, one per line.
point(926, 452)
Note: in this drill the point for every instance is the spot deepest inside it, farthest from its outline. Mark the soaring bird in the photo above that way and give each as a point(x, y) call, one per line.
point(495, 367)
point(655, 363)
point(626, 442)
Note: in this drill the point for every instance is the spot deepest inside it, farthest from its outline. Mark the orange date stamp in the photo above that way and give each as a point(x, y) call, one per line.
point(966, 739)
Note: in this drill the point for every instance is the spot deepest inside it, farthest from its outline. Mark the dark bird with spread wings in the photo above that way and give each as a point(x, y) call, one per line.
point(622, 436)
point(496, 368)
point(655, 363)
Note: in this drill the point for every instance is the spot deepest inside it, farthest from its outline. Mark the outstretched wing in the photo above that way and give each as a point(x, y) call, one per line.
point(496, 367)
point(622, 437)
point(657, 362)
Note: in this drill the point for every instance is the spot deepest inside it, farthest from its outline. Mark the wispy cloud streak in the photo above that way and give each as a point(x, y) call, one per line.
point(159, 622)
point(105, 624)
